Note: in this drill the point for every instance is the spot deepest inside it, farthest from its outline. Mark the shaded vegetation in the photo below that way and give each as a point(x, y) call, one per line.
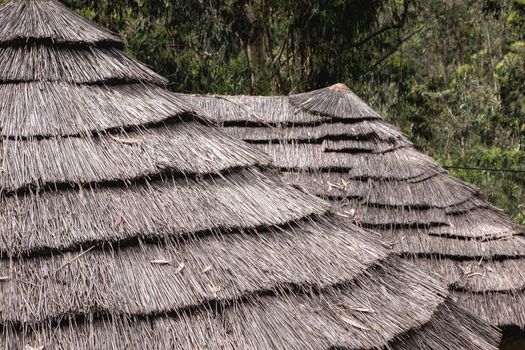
point(513, 339)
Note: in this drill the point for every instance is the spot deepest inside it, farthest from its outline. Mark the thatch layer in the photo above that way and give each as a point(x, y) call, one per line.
point(418, 242)
point(480, 224)
point(234, 109)
point(450, 328)
point(123, 156)
point(190, 272)
point(361, 165)
point(373, 191)
point(163, 208)
point(89, 65)
point(251, 326)
point(387, 216)
point(334, 146)
point(481, 276)
point(49, 20)
point(361, 130)
point(358, 146)
point(59, 109)
point(127, 222)
point(504, 309)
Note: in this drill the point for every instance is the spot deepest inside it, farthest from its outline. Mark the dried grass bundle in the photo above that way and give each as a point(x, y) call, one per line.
point(123, 156)
point(44, 109)
point(91, 65)
point(49, 20)
point(362, 130)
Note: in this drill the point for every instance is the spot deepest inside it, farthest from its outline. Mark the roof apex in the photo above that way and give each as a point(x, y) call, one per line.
point(340, 87)
point(50, 21)
point(336, 101)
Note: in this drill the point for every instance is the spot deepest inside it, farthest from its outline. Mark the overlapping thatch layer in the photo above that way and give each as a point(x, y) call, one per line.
point(128, 222)
point(331, 144)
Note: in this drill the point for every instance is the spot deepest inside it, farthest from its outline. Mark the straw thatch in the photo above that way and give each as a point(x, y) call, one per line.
point(73, 65)
point(330, 143)
point(129, 222)
point(51, 22)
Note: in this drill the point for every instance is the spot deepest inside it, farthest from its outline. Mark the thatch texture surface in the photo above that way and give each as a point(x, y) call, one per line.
point(44, 109)
point(255, 263)
point(73, 65)
point(375, 130)
point(330, 143)
point(357, 146)
point(128, 222)
point(234, 109)
point(123, 156)
point(23, 21)
point(361, 165)
point(408, 243)
point(482, 276)
point(162, 208)
point(376, 191)
point(334, 102)
point(304, 323)
point(504, 308)
point(449, 328)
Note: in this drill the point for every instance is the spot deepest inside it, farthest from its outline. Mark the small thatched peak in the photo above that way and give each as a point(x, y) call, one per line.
point(340, 87)
point(336, 101)
point(49, 20)
point(373, 176)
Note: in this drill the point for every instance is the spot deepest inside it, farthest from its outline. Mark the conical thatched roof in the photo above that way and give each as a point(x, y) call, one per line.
point(128, 222)
point(332, 144)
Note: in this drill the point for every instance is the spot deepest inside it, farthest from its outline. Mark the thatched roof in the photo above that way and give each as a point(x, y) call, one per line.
point(129, 222)
point(332, 144)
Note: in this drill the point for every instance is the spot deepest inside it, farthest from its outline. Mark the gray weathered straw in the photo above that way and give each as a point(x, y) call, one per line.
point(129, 222)
point(330, 143)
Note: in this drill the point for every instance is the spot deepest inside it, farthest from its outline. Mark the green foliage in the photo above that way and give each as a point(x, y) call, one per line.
point(458, 90)
point(227, 46)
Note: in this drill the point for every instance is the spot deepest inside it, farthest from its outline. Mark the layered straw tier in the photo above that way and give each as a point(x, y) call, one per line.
point(332, 144)
point(129, 222)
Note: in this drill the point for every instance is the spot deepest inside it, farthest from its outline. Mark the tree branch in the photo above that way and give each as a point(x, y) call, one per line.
point(394, 26)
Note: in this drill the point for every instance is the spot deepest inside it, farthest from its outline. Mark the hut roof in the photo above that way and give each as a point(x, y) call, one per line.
point(332, 144)
point(129, 222)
